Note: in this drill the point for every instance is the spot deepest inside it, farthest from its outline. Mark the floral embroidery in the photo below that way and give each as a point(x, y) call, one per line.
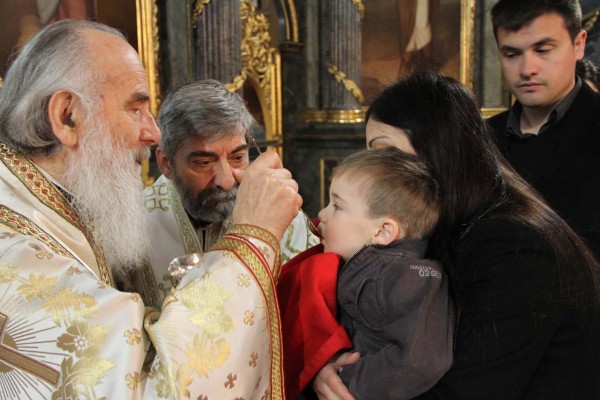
point(133, 336)
point(244, 280)
point(230, 382)
point(165, 387)
point(78, 378)
point(266, 395)
point(206, 301)
point(249, 318)
point(205, 356)
point(73, 271)
point(44, 254)
point(133, 379)
point(67, 389)
point(61, 304)
point(8, 273)
point(82, 339)
point(90, 371)
point(36, 287)
point(253, 362)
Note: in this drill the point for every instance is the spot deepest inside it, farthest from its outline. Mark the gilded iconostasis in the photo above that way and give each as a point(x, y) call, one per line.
point(307, 69)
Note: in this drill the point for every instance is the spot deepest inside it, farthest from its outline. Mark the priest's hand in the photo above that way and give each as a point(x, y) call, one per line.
point(268, 196)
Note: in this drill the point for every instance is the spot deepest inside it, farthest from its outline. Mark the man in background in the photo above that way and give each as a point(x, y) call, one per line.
point(202, 155)
point(551, 135)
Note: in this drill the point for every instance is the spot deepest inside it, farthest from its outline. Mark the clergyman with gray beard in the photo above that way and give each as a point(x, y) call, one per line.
point(202, 156)
point(75, 126)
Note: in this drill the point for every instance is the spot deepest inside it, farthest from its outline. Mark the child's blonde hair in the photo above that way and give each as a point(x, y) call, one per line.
point(396, 185)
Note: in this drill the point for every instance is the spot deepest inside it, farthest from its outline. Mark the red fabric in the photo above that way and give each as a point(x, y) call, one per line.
point(306, 291)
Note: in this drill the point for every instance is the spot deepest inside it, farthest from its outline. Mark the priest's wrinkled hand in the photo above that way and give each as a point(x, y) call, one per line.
point(268, 196)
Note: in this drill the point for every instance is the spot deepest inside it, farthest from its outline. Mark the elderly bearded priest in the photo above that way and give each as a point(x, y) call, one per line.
point(203, 150)
point(74, 127)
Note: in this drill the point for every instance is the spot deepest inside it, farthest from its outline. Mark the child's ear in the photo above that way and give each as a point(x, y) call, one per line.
point(389, 230)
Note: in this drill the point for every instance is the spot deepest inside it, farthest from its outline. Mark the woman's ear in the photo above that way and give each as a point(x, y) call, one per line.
point(64, 113)
point(164, 165)
point(388, 230)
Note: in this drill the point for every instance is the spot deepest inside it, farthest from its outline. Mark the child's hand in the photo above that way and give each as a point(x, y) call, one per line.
point(328, 385)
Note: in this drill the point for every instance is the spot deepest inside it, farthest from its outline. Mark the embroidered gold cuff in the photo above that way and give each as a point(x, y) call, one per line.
point(257, 232)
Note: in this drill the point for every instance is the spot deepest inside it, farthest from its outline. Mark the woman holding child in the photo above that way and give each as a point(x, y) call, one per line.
point(526, 288)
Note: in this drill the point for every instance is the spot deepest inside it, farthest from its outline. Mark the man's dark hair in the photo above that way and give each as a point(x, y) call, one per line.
point(512, 15)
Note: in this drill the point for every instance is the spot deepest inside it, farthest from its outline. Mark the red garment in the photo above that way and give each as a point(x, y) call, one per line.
point(306, 291)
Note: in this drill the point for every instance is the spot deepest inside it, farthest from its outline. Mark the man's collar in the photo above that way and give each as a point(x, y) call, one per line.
point(513, 124)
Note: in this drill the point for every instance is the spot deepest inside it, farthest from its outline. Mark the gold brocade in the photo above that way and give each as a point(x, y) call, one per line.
point(191, 242)
point(206, 300)
point(255, 231)
point(243, 251)
point(81, 342)
point(51, 197)
point(12, 358)
point(20, 224)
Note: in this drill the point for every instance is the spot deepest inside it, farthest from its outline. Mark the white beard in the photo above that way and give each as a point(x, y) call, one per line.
point(108, 192)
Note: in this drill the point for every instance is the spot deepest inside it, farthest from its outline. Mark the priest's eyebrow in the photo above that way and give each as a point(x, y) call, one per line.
point(139, 97)
point(204, 153)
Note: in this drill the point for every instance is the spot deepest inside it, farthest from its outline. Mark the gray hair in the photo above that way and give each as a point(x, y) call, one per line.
point(57, 58)
point(201, 109)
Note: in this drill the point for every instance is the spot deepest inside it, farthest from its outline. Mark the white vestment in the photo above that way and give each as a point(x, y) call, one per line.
point(67, 333)
point(173, 235)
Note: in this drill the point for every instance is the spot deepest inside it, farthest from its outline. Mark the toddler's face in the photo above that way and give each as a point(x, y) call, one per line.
point(345, 223)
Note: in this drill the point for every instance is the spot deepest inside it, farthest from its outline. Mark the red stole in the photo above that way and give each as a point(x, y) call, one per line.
point(306, 291)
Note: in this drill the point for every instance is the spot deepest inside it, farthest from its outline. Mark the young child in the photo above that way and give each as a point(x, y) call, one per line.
point(392, 302)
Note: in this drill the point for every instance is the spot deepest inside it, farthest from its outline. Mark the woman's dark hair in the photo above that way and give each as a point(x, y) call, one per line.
point(443, 122)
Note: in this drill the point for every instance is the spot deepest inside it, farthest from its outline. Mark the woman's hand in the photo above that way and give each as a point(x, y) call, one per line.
point(328, 385)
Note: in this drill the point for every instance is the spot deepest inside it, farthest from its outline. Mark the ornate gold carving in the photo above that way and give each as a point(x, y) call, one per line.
point(348, 83)
point(256, 47)
point(490, 112)
point(361, 8)
point(148, 46)
point(334, 116)
point(467, 35)
point(261, 66)
point(291, 20)
point(237, 82)
point(198, 8)
point(1, 82)
point(589, 20)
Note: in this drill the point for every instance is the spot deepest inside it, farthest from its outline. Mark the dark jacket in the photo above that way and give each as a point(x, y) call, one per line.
point(396, 309)
point(514, 340)
point(563, 163)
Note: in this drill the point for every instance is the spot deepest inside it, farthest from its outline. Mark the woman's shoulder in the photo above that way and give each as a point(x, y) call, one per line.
point(501, 247)
point(499, 225)
point(500, 233)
